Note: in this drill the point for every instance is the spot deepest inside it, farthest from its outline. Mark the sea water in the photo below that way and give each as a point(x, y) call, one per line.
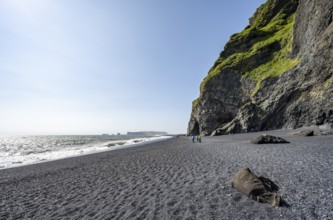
point(24, 150)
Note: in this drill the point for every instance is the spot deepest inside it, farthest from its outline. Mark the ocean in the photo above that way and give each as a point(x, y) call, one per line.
point(23, 150)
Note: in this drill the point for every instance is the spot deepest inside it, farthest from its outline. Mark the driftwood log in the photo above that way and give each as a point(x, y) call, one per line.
point(260, 189)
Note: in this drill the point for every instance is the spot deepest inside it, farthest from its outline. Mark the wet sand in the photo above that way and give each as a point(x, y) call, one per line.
point(175, 179)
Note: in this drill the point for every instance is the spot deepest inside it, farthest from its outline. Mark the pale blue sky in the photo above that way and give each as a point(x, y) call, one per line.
point(108, 66)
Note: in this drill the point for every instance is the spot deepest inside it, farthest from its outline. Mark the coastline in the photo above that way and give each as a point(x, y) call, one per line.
point(98, 148)
point(174, 179)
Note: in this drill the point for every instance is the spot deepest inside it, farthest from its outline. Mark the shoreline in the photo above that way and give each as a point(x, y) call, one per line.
point(116, 147)
point(175, 179)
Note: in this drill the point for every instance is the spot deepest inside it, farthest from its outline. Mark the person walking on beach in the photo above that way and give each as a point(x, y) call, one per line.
point(199, 139)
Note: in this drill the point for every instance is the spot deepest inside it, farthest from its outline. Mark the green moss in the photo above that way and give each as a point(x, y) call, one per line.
point(195, 102)
point(257, 52)
point(273, 68)
point(281, 61)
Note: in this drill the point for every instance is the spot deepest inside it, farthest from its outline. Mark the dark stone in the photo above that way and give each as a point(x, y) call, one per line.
point(305, 133)
point(268, 139)
point(309, 133)
point(260, 189)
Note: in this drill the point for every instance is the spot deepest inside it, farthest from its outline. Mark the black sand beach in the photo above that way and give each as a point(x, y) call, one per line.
point(175, 179)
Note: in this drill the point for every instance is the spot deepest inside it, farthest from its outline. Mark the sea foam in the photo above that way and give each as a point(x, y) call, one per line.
point(23, 150)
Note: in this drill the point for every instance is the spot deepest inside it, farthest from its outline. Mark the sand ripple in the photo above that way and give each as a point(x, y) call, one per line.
point(174, 179)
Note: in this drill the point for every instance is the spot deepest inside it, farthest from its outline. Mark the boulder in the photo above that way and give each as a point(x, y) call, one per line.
point(268, 139)
point(309, 133)
point(305, 133)
point(323, 133)
point(260, 189)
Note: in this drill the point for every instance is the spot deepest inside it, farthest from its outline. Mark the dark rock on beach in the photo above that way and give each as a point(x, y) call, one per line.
point(260, 189)
point(305, 133)
point(268, 139)
point(323, 133)
point(309, 133)
point(276, 73)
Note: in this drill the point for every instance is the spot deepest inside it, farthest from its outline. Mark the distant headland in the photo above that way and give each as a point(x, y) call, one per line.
point(147, 133)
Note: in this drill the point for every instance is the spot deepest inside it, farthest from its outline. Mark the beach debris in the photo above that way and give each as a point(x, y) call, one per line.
point(268, 139)
point(260, 189)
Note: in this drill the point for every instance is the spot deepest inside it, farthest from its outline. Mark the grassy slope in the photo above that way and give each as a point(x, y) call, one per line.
point(253, 43)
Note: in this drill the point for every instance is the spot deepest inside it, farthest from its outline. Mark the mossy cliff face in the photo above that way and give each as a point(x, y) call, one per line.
point(276, 73)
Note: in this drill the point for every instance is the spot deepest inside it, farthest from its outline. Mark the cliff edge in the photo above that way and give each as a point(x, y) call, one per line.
point(276, 73)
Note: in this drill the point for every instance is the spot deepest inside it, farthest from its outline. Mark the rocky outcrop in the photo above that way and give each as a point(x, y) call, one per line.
point(277, 73)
